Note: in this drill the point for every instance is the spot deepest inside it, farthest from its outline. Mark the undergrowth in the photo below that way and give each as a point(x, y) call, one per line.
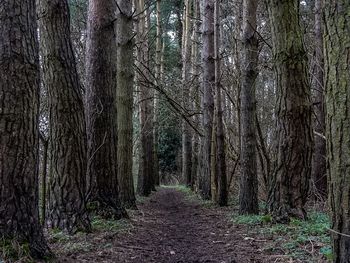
point(11, 250)
point(307, 241)
point(103, 231)
point(100, 224)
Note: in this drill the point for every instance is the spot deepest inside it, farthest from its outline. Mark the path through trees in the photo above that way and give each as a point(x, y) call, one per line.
point(171, 228)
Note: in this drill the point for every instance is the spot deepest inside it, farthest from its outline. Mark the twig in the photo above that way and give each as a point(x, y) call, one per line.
point(338, 233)
point(261, 37)
point(134, 247)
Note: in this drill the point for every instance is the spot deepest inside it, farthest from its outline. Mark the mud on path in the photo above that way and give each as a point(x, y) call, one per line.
point(170, 228)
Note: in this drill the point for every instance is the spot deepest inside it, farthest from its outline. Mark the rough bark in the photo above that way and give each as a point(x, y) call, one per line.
point(19, 133)
point(222, 191)
point(290, 183)
point(101, 116)
point(68, 161)
point(208, 63)
point(248, 193)
point(45, 145)
point(214, 157)
point(145, 178)
point(236, 118)
point(319, 169)
point(178, 7)
point(186, 65)
point(125, 79)
point(159, 82)
point(148, 70)
point(195, 72)
point(337, 83)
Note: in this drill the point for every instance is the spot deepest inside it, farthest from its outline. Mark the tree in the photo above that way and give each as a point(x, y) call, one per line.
point(319, 173)
point(289, 187)
point(222, 191)
point(19, 132)
point(45, 146)
point(248, 193)
point(337, 83)
point(125, 79)
point(195, 72)
point(186, 64)
point(101, 108)
point(146, 170)
point(68, 161)
point(208, 61)
point(159, 72)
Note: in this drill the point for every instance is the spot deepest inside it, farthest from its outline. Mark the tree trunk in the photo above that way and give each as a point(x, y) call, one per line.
point(145, 179)
point(290, 183)
point(186, 64)
point(222, 194)
point(125, 81)
point(195, 71)
point(67, 204)
point(45, 144)
point(159, 82)
point(248, 193)
point(19, 133)
point(213, 157)
point(150, 80)
point(337, 82)
point(319, 173)
point(208, 83)
point(101, 109)
point(179, 23)
point(238, 64)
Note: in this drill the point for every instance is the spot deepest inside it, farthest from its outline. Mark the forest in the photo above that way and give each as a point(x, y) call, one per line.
point(190, 131)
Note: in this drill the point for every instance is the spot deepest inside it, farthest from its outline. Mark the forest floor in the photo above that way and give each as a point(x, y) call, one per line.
point(175, 226)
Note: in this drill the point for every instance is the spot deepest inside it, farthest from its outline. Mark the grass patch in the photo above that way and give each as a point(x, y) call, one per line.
point(12, 250)
point(103, 231)
point(308, 241)
point(56, 235)
point(252, 219)
point(65, 244)
point(108, 225)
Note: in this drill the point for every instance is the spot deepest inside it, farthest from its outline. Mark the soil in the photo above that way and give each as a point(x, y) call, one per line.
point(168, 227)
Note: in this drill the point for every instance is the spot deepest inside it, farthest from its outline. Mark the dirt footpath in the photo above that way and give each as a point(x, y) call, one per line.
point(169, 228)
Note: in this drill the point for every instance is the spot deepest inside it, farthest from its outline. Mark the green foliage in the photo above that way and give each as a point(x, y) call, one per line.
point(108, 225)
point(56, 235)
point(252, 219)
point(266, 218)
point(327, 252)
point(169, 143)
point(168, 148)
point(182, 188)
point(297, 238)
